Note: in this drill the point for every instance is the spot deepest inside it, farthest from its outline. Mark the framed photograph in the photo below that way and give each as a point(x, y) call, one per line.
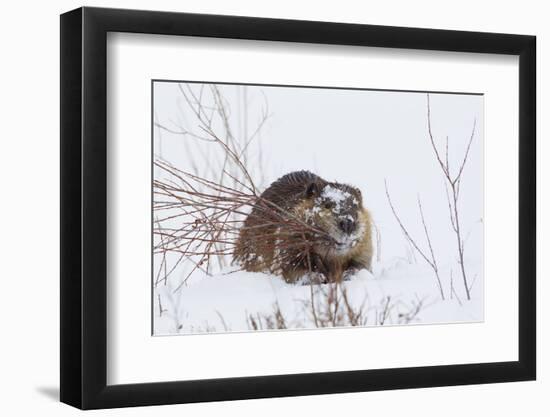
point(257, 207)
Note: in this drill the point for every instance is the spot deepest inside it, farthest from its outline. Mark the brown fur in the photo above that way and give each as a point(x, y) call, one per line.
point(273, 238)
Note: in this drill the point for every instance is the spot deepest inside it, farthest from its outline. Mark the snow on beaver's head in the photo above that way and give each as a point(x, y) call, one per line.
point(336, 209)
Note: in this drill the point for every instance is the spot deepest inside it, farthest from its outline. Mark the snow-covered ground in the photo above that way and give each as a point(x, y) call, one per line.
point(398, 293)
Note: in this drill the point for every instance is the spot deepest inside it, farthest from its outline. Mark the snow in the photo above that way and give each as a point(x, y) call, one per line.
point(225, 302)
point(380, 138)
point(336, 195)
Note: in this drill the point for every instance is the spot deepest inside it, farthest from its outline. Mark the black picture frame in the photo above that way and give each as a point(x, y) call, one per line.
point(84, 207)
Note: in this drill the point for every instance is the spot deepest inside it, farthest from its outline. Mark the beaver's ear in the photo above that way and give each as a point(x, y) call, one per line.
point(312, 189)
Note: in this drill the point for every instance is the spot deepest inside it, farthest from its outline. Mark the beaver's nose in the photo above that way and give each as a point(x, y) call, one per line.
point(347, 225)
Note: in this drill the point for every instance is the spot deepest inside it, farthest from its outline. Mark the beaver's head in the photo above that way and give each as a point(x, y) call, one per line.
point(337, 210)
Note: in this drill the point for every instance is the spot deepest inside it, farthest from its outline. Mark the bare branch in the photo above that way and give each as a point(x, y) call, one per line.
point(430, 261)
point(436, 270)
point(454, 185)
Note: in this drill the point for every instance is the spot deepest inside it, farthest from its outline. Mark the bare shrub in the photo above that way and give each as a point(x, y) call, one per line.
point(452, 187)
point(428, 256)
point(274, 320)
point(197, 211)
point(199, 215)
point(452, 191)
point(210, 219)
point(330, 305)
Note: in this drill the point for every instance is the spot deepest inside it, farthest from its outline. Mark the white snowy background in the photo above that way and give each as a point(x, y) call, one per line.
point(360, 137)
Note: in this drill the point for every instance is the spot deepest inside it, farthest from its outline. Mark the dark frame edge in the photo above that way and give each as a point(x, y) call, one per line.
point(527, 269)
point(70, 220)
point(177, 392)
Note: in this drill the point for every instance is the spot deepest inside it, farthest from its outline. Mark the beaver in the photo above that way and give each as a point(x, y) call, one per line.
point(303, 226)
